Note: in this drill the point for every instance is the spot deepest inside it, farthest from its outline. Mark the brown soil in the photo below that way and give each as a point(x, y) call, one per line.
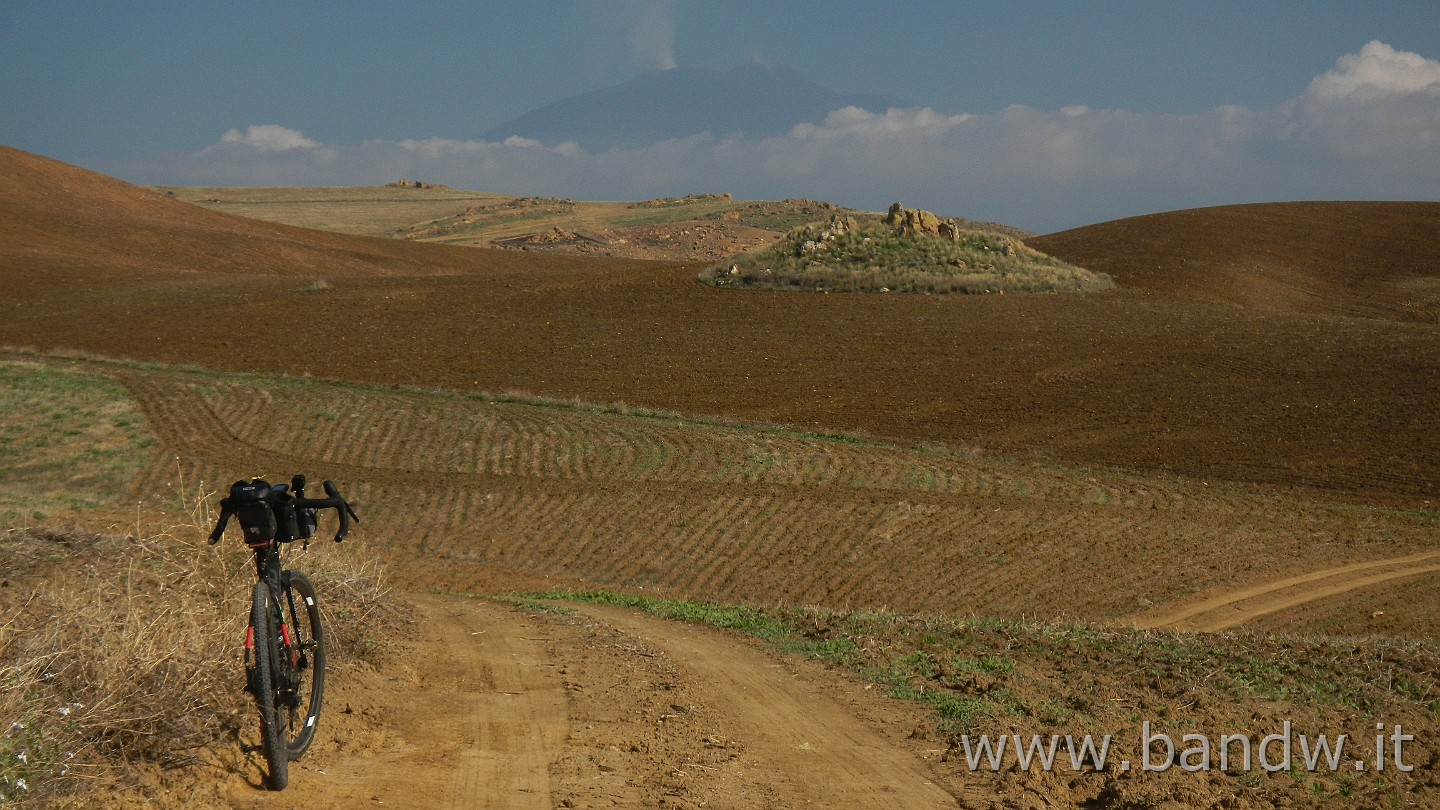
point(1248, 604)
point(734, 514)
point(1183, 442)
point(1140, 377)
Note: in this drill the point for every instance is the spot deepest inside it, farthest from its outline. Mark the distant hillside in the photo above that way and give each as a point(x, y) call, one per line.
point(752, 99)
point(1371, 259)
point(1156, 375)
point(60, 219)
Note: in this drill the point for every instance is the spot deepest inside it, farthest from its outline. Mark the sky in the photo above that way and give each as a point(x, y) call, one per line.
point(1041, 115)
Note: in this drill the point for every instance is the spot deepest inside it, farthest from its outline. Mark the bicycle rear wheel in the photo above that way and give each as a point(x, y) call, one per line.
point(304, 663)
point(264, 681)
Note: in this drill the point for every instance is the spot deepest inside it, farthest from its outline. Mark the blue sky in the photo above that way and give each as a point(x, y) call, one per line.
point(1043, 115)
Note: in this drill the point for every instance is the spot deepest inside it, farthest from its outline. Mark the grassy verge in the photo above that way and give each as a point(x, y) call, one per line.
point(69, 441)
point(1003, 677)
point(846, 255)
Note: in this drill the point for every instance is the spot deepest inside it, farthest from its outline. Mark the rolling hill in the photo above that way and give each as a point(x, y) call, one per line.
point(1371, 260)
point(1059, 483)
point(1139, 378)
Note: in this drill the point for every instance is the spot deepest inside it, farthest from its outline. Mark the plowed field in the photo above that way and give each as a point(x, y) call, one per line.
point(1244, 428)
point(1161, 380)
point(729, 513)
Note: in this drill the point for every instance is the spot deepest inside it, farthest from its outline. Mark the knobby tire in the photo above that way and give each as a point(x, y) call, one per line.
point(264, 684)
point(305, 664)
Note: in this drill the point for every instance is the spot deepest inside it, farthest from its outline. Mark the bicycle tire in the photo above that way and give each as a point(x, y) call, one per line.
point(307, 676)
point(263, 685)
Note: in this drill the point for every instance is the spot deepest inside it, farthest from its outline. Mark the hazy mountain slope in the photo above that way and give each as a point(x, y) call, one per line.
point(751, 99)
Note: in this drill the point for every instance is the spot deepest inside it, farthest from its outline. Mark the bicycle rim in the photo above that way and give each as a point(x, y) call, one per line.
point(305, 648)
point(263, 683)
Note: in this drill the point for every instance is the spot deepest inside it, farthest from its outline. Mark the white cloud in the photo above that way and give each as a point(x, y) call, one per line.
point(1367, 129)
point(1377, 70)
point(651, 38)
point(630, 35)
point(1379, 106)
point(269, 138)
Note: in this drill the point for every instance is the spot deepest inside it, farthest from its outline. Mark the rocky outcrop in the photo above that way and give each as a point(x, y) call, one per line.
point(837, 226)
point(917, 222)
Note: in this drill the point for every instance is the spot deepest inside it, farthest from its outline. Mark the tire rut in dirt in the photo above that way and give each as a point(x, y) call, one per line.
point(508, 712)
point(468, 713)
point(805, 747)
point(1237, 607)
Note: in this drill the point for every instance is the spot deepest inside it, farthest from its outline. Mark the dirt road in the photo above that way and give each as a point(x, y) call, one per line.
point(490, 707)
point(1234, 608)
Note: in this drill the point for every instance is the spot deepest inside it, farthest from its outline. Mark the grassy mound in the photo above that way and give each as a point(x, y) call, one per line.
point(909, 251)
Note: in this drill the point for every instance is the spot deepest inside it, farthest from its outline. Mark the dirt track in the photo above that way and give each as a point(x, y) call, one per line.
point(1242, 606)
point(483, 700)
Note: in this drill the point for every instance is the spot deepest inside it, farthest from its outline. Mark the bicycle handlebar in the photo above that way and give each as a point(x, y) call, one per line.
point(335, 501)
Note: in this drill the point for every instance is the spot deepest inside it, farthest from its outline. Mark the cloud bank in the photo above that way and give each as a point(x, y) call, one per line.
point(1369, 128)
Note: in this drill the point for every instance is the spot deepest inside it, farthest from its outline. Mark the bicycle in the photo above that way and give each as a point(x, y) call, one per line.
point(284, 645)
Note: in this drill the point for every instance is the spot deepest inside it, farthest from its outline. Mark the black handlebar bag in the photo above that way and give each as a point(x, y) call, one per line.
point(251, 502)
point(267, 514)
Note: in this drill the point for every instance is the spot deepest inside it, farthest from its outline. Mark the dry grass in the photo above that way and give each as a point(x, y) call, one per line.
point(126, 649)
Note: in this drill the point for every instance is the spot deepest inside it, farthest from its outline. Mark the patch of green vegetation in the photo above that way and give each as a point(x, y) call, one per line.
point(752, 621)
point(845, 255)
point(976, 672)
point(70, 441)
point(537, 606)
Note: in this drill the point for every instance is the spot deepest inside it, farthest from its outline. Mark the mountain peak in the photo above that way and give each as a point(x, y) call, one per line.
point(751, 100)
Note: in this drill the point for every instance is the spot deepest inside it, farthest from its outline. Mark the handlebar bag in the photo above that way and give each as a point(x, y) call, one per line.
point(251, 503)
point(287, 528)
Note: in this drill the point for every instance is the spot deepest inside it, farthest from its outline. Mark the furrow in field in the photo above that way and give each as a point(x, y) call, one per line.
point(873, 558)
point(380, 437)
point(718, 548)
point(245, 411)
point(713, 526)
point(181, 418)
point(755, 534)
point(863, 555)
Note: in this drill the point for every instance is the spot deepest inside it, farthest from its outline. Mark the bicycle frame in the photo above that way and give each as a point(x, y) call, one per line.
point(268, 570)
point(284, 641)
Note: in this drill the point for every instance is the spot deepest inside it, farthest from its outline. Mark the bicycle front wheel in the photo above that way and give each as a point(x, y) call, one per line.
point(305, 663)
point(264, 683)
